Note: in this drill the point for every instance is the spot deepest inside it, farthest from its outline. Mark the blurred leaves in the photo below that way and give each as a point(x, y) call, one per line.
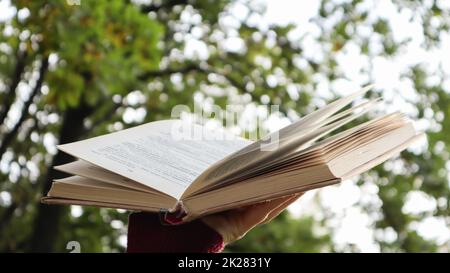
point(119, 57)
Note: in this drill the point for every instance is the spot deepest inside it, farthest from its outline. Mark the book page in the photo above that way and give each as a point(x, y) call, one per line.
point(311, 122)
point(88, 170)
point(298, 153)
point(157, 155)
point(374, 162)
point(296, 136)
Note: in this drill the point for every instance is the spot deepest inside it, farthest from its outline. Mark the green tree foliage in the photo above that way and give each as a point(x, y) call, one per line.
point(69, 72)
point(285, 234)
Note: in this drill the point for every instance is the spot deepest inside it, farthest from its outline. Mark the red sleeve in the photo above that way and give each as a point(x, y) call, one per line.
point(147, 234)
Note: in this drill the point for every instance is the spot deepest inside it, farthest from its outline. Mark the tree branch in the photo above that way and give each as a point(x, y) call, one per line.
point(158, 73)
point(24, 114)
point(7, 215)
point(197, 68)
point(10, 96)
point(163, 5)
point(109, 113)
point(193, 67)
point(47, 220)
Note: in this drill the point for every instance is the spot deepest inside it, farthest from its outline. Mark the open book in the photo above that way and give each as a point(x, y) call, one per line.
point(166, 165)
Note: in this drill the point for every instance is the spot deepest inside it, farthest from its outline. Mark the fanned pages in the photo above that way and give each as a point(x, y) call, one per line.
point(179, 166)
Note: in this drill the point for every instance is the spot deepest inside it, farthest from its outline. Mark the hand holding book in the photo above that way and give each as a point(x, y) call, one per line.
point(234, 224)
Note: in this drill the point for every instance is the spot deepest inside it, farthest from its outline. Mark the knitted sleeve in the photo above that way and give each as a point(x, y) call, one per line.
point(147, 234)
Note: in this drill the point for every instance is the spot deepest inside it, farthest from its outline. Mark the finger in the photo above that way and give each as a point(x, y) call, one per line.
point(255, 214)
point(274, 213)
point(236, 223)
point(286, 201)
point(248, 215)
point(283, 206)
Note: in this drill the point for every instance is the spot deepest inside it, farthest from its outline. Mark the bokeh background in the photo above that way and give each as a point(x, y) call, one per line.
point(75, 69)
